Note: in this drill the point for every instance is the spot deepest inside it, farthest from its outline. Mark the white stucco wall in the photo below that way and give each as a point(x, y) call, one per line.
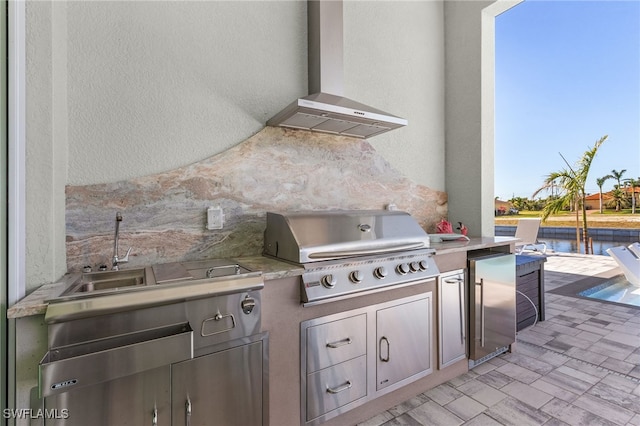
point(394, 60)
point(469, 111)
point(158, 85)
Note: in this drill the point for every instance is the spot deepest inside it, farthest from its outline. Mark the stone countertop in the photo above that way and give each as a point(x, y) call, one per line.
point(272, 269)
point(36, 302)
point(474, 243)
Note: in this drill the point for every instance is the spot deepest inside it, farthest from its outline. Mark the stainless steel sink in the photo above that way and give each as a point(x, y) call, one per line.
point(99, 293)
point(107, 281)
point(94, 284)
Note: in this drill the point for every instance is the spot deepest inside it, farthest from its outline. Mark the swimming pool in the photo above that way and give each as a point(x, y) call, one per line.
point(616, 289)
point(569, 246)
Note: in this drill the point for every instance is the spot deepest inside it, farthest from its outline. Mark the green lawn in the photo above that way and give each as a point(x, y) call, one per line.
point(608, 219)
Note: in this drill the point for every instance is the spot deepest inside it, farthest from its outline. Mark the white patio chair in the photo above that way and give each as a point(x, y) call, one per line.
point(628, 259)
point(527, 232)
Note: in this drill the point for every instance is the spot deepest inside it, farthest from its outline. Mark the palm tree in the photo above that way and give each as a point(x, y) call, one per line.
point(618, 198)
point(600, 182)
point(571, 183)
point(617, 175)
point(633, 183)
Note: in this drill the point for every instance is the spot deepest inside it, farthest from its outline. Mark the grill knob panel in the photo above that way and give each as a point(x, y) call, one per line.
point(414, 266)
point(356, 277)
point(424, 265)
point(380, 272)
point(328, 281)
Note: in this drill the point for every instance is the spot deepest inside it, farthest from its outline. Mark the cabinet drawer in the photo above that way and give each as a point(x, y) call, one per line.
point(336, 386)
point(337, 341)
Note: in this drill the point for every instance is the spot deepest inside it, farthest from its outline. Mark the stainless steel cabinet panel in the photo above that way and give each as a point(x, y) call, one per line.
point(492, 299)
point(223, 388)
point(403, 341)
point(129, 401)
point(336, 386)
point(452, 337)
point(336, 341)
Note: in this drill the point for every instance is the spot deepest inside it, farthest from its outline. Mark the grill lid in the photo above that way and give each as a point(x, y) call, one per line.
point(312, 236)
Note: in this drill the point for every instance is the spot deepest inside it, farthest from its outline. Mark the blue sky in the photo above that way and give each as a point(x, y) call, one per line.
point(567, 73)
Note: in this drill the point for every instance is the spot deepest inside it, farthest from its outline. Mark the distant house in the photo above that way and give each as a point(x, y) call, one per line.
point(502, 207)
point(593, 201)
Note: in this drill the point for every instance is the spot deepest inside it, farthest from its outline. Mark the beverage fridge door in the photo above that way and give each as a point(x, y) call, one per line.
point(492, 304)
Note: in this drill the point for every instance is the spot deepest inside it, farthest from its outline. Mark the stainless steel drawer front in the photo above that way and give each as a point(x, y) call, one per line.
point(72, 367)
point(334, 387)
point(336, 342)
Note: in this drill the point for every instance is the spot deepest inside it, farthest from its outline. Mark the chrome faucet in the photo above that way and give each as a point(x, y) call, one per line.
point(116, 260)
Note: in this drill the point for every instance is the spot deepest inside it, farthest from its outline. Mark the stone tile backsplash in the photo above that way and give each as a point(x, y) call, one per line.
point(164, 215)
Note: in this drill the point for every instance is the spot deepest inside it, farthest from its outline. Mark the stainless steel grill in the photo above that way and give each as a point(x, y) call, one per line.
point(348, 252)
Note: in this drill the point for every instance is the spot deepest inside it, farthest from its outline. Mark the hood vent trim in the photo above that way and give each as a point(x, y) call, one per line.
point(330, 112)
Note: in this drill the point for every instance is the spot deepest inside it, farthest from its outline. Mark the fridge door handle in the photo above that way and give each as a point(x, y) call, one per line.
point(461, 307)
point(481, 284)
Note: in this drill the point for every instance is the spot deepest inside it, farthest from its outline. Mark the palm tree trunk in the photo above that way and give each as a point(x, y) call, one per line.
point(585, 231)
point(601, 201)
point(577, 228)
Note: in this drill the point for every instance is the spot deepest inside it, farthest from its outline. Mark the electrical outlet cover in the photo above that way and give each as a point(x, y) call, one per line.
point(215, 218)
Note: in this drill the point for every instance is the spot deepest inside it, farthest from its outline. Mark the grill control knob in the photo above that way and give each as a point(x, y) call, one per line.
point(424, 265)
point(414, 266)
point(328, 281)
point(402, 269)
point(356, 277)
point(248, 304)
point(380, 272)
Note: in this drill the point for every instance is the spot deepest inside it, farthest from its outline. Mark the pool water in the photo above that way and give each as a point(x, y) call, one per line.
point(569, 246)
point(616, 289)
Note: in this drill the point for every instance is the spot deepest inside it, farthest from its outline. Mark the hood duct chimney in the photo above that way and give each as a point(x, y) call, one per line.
point(326, 110)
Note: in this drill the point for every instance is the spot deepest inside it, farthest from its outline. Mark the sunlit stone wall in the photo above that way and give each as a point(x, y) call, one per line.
point(164, 215)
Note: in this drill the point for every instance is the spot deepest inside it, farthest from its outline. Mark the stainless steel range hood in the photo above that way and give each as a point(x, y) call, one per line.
point(326, 110)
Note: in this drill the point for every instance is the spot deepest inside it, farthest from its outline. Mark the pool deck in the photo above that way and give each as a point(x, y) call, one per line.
point(581, 366)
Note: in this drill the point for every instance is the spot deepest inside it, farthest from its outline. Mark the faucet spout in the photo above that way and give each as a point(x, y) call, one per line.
point(116, 260)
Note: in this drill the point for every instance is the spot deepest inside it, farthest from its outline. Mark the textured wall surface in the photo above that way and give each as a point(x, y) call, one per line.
point(164, 215)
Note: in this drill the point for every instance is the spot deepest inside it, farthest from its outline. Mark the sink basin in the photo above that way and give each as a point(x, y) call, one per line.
point(107, 280)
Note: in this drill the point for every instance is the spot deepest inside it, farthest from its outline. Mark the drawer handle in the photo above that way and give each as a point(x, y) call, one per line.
point(339, 343)
point(453, 280)
point(340, 388)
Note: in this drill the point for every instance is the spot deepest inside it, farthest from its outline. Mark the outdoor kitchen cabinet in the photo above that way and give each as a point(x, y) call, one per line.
point(452, 331)
point(353, 357)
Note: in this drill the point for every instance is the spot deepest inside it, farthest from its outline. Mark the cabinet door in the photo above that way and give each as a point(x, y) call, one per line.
point(138, 399)
point(451, 306)
point(224, 388)
point(403, 341)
